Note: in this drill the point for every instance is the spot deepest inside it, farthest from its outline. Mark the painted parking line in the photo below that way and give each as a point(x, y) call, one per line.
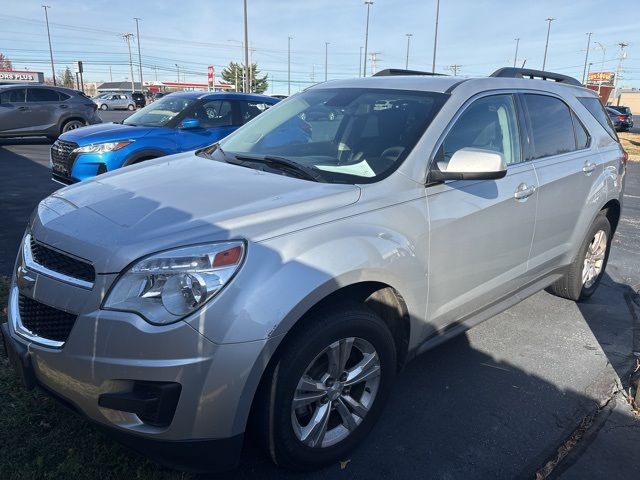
point(632, 196)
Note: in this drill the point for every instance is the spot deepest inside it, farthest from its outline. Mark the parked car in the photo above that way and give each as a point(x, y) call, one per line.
point(279, 96)
point(30, 110)
point(288, 283)
point(116, 101)
point(139, 99)
point(176, 123)
point(621, 121)
point(622, 109)
point(159, 95)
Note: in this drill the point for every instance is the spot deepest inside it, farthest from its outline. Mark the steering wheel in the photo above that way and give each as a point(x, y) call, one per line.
point(392, 153)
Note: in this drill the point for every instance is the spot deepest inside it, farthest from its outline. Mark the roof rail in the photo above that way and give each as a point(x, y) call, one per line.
point(397, 71)
point(511, 72)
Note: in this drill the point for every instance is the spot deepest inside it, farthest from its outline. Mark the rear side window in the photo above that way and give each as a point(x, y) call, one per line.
point(15, 95)
point(551, 125)
point(214, 113)
point(42, 95)
point(249, 110)
point(582, 136)
point(597, 110)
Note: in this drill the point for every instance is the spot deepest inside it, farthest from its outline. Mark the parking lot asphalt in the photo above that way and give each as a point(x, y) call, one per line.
point(496, 402)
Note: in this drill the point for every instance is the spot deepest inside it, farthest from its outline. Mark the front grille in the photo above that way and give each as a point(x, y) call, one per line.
point(62, 158)
point(61, 263)
point(45, 321)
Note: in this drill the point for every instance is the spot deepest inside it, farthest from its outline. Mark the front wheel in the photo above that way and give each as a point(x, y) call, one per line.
point(327, 388)
point(585, 273)
point(131, 107)
point(103, 107)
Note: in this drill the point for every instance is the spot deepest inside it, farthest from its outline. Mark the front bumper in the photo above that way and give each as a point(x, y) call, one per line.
point(109, 352)
point(87, 165)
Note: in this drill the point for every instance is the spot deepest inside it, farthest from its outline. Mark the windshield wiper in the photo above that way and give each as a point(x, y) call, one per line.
point(309, 173)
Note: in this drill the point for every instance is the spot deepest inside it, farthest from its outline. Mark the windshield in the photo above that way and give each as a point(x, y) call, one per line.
point(159, 113)
point(352, 135)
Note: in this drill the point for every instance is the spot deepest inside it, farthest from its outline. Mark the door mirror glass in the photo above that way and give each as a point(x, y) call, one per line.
point(189, 123)
point(471, 164)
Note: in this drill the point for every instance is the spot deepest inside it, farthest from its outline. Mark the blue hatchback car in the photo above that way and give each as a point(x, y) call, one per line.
point(176, 123)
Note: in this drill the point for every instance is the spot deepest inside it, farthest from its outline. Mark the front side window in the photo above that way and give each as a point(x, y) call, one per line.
point(214, 113)
point(42, 95)
point(489, 123)
point(15, 95)
point(364, 143)
point(160, 112)
point(551, 125)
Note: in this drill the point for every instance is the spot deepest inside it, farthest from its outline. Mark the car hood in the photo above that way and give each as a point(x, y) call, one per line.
point(180, 200)
point(105, 132)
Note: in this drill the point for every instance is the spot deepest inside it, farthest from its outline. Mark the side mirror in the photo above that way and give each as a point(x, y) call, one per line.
point(189, 123)
point(472, 164)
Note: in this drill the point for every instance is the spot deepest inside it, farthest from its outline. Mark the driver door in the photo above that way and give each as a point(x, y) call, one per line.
point(480, 233)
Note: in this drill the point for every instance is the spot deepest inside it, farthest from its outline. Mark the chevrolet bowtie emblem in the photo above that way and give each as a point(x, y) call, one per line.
point(24, 279)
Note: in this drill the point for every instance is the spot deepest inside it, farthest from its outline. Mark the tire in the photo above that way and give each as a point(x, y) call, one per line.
point(103, 107)
point(72, 125)
point(329, 329)
point(572, 285)
point(131, 107)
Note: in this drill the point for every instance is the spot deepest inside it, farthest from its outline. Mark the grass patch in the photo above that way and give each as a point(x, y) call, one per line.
point(40, 439)
point(631, 144)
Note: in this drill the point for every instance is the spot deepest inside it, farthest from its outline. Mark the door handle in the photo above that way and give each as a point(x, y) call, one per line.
point(524, 191)
point(64, 106)
point(589, 167)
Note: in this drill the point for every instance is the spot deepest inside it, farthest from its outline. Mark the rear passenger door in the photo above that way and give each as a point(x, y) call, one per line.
point(480, 231)
point(566, 165)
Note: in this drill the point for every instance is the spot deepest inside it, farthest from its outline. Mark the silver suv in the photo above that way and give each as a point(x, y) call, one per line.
point(286, 274)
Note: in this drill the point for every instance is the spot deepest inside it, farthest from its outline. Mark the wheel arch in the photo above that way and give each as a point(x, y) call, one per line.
point(144, 154)
point(612, 211)
point(68, 118)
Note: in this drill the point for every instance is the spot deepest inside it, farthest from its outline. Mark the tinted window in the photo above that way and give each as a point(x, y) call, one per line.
point(214, 113)
point(551, 125)
point(15, 95)
point(597, 110)
point(489, 123)
point(64, 96)
point(159, 113)
point(582, 136)
point(42, 95)
point(249, 110)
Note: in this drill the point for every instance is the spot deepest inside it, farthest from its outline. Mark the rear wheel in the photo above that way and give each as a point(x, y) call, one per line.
point(585, 273)
point(103, 107)
point(72, 125)
point(327, 388)
point(131, 107)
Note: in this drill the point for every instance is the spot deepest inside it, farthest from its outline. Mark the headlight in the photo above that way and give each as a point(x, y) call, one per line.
point(103, 147)
point(167, 286)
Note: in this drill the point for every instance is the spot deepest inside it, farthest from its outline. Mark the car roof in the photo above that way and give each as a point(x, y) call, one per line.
point(446, 84)
point(226, 95)
point(38, 85)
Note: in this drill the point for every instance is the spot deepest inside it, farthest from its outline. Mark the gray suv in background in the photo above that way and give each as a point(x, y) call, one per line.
point(279, 279)
point(34, 110)
point(116, 101)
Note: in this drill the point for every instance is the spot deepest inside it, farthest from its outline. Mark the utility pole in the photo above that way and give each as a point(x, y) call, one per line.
point(155, 68)
point(406, 63)
point(139, 54)
point(586, 57)
point(435, 39)
point(289, 65)
point(588, 72)
point(110, 74)
point(46, 16)
point(546, 45)
point(374, 62)
point(127, 38)
point(313, 73)
point(326, 56)
point(604, 51)
point(515, 57)
point(454, 69)
point(366, 39)
point(247, 86)
point(178, 69)
point(623, 55)
point(360, 64)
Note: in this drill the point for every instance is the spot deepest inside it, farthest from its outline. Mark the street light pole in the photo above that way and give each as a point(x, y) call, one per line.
point(366, 39)
point(289, 65)
point(139, 54)
point(435, 39)
point(360, 64)
point(247, 86)
point(604, 51)
point(586, 57)
point(406, 63)
point(515, 57)
point(127, 38)
point(326, 57)
point(46, 16)
point(546, 45)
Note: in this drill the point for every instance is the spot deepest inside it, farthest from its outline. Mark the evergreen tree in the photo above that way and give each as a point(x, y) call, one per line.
point(66, 78)
point(234, 74)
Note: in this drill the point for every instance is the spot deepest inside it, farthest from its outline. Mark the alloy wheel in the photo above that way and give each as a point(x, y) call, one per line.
point(594, 258)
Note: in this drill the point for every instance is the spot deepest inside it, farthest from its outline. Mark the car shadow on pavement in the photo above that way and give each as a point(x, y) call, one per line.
point(462, 411)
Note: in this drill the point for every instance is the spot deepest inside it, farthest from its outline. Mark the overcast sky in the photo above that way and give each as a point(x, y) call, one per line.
point(476, 34)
